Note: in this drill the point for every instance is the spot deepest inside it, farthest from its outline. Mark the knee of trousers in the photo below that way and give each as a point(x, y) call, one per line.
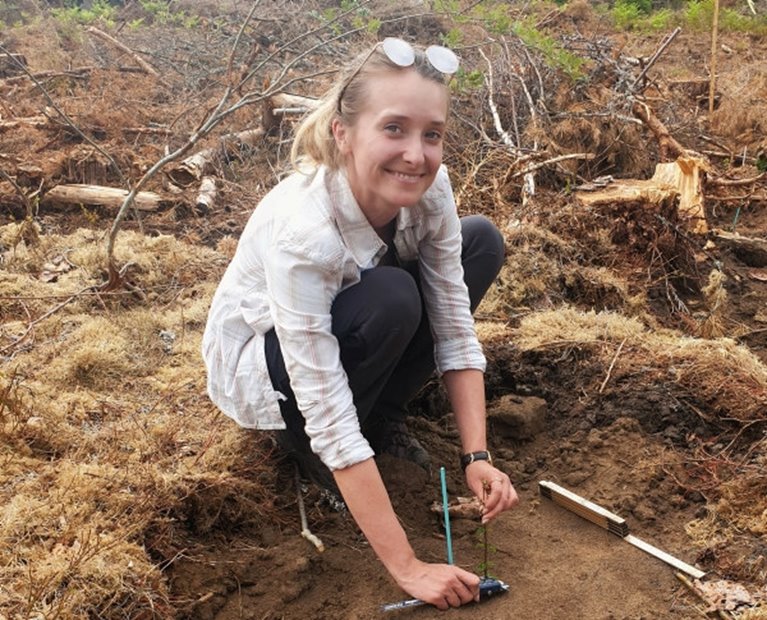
point(481, 236)
point(393, 300)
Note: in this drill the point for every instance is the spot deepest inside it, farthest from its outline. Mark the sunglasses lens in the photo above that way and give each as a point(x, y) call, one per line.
point(398, 51)
point(442, 59)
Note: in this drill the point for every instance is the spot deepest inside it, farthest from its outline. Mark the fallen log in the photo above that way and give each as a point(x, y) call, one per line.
point(100, 195)
point(207, 195)
point(751, 251)
point(145, 66)
point(194, 167)
point(668, 147)
point(680, 178)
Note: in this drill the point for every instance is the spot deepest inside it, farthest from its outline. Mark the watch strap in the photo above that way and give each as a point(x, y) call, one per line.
point(468, 459)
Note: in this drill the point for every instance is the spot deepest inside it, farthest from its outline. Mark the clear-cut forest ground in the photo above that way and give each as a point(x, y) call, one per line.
point(626, 336)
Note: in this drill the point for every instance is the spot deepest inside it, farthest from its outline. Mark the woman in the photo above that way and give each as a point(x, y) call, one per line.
point(353, 280)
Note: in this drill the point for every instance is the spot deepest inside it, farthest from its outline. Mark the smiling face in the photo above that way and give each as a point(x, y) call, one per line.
point(393, 150)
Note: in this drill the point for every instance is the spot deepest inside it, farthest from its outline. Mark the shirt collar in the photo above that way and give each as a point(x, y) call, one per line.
point(358, 235)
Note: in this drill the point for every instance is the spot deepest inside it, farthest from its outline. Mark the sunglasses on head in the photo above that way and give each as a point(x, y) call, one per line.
point(402, 54)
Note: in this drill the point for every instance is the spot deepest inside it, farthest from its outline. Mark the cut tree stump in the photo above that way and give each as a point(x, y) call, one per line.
point(100, 195)
point(680, 178)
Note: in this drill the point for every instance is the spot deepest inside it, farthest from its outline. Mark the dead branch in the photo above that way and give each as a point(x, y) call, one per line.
point(612, 365)
point(99, 195)
point(194, 167)
point(504, 135)
point(41, 318)
point(669, 148)
point(121, 46)
point(750, 250)
point(654, 58)
point(721, 182)
point(553, 160)
point(30, 121)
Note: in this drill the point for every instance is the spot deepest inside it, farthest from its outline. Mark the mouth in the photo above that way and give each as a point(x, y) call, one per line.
point(405, 177)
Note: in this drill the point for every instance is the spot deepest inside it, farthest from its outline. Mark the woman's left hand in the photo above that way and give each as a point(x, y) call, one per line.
point(492, 487)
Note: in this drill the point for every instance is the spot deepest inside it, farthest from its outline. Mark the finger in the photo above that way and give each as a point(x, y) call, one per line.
point(453, 599)
point(495, 497)
point(465, 593)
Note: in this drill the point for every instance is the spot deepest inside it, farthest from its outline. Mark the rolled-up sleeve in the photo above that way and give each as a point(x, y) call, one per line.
point(446, 296)
point(302, 282)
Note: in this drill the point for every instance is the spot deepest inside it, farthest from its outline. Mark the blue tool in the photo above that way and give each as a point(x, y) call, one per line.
point(446, 514)
point(487, 587)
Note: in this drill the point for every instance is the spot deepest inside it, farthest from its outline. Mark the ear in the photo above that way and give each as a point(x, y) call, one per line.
point(341, 136)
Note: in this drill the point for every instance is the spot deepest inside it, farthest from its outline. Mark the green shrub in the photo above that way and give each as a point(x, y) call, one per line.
point(625, 14)
point(101, 11)
point(554, 54)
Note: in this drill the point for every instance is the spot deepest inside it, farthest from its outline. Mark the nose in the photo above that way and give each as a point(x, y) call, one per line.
point(414, 151)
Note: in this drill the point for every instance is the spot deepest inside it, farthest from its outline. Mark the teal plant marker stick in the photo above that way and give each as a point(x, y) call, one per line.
point(447, 515)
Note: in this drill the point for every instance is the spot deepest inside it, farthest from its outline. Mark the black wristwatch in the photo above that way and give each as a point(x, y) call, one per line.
point(468, 459)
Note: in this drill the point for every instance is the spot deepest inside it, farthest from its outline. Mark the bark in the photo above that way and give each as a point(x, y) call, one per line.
point(750, 250)
point(207, 195)
point(100, 195)
point(28, 121)
point(194, 167)
point(145, 66)
point(669, 148)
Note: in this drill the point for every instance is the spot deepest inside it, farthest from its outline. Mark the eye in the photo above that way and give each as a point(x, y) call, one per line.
point(434, 135)
point(393, 128)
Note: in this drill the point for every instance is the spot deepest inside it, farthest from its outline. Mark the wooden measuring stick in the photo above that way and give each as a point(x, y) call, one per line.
point(611, 522)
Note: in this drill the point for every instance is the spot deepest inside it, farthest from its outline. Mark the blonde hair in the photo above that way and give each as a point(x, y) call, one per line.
point(314, 144)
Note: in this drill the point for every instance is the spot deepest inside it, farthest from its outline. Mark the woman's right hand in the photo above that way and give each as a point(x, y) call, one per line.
point(441, 585)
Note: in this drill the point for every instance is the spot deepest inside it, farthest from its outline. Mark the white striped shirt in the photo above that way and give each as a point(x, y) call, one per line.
point(307, 241)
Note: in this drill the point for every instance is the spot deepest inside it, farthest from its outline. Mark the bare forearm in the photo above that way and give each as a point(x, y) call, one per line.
point(466, 391)
point(366, 497)
point(442, 585)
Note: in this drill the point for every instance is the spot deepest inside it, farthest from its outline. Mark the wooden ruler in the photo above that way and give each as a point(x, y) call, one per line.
point(611, 522)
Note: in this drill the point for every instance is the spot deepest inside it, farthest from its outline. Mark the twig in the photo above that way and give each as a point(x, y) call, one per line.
point(691, 587)
point(669, 148)
point(42, 318)
point(305, 531)
point(612, 364)
point(553, 160)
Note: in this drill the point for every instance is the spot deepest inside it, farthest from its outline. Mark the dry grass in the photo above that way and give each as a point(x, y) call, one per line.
point(111, 452)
